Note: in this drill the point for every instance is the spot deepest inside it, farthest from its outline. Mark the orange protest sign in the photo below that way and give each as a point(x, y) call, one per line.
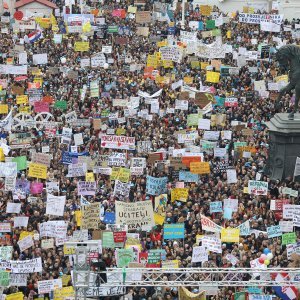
point(200, 167)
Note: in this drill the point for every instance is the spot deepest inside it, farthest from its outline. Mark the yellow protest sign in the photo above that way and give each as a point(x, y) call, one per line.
point(198, 238)
point(213, 77)
point(188, 79)
point(15, 296)
point(120, 131)
point(25, 109)
point(245, 190)
point(185, 294)
point(152, 61)
point(68, 250)
point(37, 170)
point(228, 34)
point(132, 9)
point(3, 109)
point(61, 294)
point(66, 279)
point(162, 80)
point(2, 157)
point(205, 10)
point(38, 80)
point(114, 173)
point(36, 72)
point(81, 46)
point(170, 264)
point(163, 43)
point(200, 167)
point(195, 64)
point(204, 64)
point(43, 22)
point(167, 64)
point(230, 235)
point(180, 194)
point(23, 234)
point(124, 175)
point(281, 78)
point(86, 27)
point(22, 99)
point(89, 176)
point(159, 219)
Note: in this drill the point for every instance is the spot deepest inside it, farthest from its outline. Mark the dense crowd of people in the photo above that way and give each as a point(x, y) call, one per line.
point(164, 100)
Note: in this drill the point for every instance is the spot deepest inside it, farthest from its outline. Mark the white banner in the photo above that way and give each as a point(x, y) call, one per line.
point(55, 205)
point(26, 266)
point(209, 225)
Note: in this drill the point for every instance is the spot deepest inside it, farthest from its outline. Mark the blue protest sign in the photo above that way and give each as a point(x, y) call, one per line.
point(173, 231)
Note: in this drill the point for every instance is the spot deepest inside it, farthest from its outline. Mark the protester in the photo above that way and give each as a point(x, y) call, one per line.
point(122, 111)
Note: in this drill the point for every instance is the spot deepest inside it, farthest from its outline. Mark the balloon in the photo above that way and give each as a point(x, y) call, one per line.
point(263, 256)
point(270, 256)
point(63, 60)
point(266, 262)
point(105, 66)
point(261, 260)
point(266, 251)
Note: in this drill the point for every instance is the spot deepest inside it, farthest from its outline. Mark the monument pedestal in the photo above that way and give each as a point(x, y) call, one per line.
point(284, 146)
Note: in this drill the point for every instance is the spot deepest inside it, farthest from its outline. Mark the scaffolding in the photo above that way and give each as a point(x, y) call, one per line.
point(114, 281)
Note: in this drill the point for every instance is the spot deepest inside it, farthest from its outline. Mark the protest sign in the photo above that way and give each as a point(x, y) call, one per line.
point(230, 235)
point(86, 188)
point(209, 225)
point(288, 238)
point(274, 231)
point(212, 243)
point(37, 170)
point(257, 187)
point(173, 231)
point(124, 257)
point(117, 142)
point(90, 216)
point(26, 266)
point(41, 158)
point(135, 215)
point(200, 254)
point(215, 207)
point(55, 205)
point(156, 186)
point(244, 228)
point(200, 167)
point(180, 194)
point(121, 189)
point(47, 286)
point(81, 46)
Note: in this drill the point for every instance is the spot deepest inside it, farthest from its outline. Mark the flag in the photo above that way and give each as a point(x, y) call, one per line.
point(34, 36)
point(83, 201)
point(53, 20)
point(297, 167)
point(285, 292)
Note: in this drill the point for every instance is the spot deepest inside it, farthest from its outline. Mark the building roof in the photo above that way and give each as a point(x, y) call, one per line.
point(25, 2)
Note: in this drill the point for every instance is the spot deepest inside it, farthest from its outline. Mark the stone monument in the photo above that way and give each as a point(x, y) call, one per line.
point(284, 128)
point(284, 146)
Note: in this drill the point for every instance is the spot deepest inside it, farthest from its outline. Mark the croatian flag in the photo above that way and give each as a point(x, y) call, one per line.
point(286, 292)
point(34, 36)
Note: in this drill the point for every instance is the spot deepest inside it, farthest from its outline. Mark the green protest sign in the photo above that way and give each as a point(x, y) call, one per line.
point(192, 120)
point(124, 257)
point(62, 105)
point(113, 29)
point(4, 278)
point(21, 162)
point(289, 238)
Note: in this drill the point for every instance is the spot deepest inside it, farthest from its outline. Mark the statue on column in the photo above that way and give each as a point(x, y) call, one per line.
point(288, 57)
